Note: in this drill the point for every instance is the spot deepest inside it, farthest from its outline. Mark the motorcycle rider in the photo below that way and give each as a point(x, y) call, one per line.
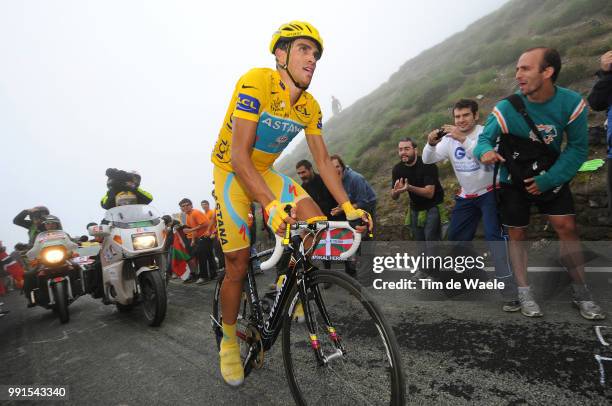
point(34, 223)
point(119, 182)
point(48, 223)
point(51, 223)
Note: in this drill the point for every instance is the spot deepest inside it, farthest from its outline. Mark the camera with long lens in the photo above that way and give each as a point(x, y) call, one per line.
point(118, 178)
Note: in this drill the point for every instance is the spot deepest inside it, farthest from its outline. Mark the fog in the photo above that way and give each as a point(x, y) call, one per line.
point(144, 85)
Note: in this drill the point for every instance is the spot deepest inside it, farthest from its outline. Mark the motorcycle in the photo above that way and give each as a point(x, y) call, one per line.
point(133, 260)
point(59, 278)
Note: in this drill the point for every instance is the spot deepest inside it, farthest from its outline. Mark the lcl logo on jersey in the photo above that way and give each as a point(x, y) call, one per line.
point(222, 150)
point(302, 110)
point(247, 103)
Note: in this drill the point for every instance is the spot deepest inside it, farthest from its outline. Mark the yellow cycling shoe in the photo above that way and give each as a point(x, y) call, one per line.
point(298, 310)
point(231, 364)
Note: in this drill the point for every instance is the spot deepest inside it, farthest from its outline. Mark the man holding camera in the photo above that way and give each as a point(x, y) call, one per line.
point(476, 200)
point(600, 99)
point(121, 181)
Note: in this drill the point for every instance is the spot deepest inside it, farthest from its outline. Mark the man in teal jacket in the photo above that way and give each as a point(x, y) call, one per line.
point(555, 111)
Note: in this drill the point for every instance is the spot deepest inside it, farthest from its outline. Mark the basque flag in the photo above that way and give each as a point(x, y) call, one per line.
point(13, 268)
point(180, 256)
point(334, 242)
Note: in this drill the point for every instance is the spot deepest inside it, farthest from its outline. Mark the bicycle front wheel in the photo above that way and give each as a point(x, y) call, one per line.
point(360, 364)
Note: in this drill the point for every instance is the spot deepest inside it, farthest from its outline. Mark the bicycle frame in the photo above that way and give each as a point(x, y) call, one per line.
point(270, 329)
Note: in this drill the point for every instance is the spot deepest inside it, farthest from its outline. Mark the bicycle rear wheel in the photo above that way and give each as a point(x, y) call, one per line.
point(368, 369)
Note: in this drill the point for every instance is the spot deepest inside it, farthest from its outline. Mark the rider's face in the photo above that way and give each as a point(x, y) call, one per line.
point(303, 60)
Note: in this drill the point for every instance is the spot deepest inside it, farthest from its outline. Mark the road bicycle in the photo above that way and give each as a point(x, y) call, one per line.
point(344, 352)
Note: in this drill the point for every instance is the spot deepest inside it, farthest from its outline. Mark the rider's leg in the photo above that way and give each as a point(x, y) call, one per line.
point(236, 263)
point(233, 206)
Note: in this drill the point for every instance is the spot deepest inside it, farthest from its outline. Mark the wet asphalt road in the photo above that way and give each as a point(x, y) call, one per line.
point(457, 349)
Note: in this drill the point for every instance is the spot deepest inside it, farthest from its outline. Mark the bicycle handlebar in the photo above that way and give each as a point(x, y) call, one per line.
point(319, 225)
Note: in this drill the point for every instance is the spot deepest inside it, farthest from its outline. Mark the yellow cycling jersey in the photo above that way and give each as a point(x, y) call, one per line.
point(261, 96)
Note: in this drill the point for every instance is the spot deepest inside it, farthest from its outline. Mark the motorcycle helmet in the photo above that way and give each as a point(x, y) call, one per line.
point(125, 198)
point(51, 223)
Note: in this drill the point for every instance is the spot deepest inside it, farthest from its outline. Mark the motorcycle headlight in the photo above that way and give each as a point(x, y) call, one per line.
point(144, 241)
point(54, 255)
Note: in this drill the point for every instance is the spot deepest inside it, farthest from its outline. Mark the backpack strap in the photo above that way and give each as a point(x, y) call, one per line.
point(518, 104)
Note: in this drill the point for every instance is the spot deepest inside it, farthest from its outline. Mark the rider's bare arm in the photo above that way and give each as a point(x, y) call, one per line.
point(326, 168)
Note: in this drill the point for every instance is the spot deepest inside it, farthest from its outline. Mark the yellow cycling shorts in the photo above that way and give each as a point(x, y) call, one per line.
point(234, 203)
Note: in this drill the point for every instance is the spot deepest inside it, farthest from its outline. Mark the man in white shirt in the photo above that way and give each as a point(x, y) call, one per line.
point(476, 199)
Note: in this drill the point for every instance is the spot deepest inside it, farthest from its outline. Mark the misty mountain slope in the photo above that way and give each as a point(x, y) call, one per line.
point(477, 61)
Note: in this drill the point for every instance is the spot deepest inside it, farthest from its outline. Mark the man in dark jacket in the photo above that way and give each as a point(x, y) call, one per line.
point(600, 99)
point(314, 186)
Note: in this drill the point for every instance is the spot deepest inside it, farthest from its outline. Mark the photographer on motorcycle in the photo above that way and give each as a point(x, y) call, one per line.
point(121, 181)
point(34, 223)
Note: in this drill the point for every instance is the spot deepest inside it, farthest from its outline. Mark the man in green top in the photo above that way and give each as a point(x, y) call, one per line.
point(35, 223)
point(555, 111)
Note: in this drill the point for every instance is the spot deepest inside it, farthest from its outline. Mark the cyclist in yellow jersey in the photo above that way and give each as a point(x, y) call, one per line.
point(267, 110)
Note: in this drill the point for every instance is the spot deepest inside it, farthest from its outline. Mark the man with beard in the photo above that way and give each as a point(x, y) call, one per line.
point(421, 182)
point(314, 186)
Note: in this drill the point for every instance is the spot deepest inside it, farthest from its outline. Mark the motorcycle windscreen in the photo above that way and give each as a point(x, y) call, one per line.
point(50, 238)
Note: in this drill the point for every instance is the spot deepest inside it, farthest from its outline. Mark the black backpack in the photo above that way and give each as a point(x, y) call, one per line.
point(525, 157)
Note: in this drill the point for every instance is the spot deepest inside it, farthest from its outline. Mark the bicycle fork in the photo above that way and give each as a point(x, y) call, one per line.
point(322, 358)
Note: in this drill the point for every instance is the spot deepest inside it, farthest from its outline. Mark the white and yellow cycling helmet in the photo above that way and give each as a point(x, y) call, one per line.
point(293, 30)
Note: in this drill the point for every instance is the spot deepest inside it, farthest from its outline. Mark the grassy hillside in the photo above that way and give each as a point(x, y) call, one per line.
point(476, 62)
